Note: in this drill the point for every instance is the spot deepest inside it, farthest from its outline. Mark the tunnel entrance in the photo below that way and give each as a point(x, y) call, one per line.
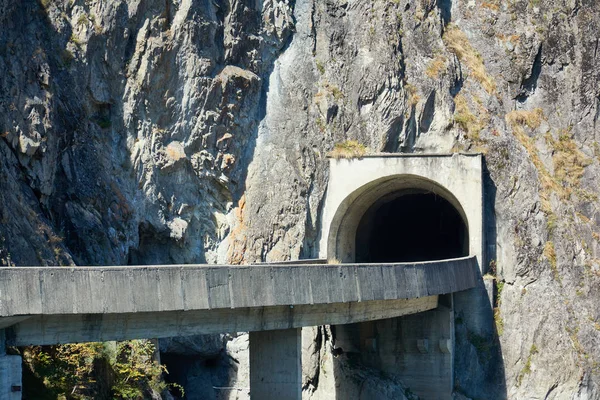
point(407, 208)
point(411, 226)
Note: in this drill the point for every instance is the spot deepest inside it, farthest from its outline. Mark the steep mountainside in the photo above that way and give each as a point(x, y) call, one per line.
point(193, 131)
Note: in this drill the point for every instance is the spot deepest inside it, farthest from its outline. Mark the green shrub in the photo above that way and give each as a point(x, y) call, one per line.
point(320, 67)
point(67, 57)
point(103, 122)
point(118, 370)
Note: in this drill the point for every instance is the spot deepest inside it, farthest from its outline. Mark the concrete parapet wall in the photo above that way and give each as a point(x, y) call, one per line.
point(114, 290)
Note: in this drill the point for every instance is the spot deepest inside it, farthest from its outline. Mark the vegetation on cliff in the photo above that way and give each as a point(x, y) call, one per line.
point(111, 370)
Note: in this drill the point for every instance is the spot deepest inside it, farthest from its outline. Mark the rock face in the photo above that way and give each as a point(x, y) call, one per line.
point(192, 131)
point(206, 375)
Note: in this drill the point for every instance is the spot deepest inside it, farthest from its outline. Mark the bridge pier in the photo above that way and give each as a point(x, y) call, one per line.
point(426, 362)
point(10, 373)
point(275, 365)
point(417, 348)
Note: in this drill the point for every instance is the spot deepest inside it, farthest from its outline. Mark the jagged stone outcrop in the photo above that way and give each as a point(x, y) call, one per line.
point(154, 131)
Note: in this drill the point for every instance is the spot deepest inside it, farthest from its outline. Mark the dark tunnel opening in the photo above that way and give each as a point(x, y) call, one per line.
point(411, 227)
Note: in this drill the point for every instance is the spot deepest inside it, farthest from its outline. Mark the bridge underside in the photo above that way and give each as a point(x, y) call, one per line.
point(69, 328)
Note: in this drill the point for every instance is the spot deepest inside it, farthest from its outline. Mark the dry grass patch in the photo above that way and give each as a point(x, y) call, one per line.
point(518, 120)
point(413, 95)
point(334, 90)
point(329, 88)
point(550, 254)
point(348, 149)
point(491, 5)
point(466, 120)
point(532, 118)
point(514, 39)
point(436, 67)
point(457, 42)
point(569, 162)
point(583, 218)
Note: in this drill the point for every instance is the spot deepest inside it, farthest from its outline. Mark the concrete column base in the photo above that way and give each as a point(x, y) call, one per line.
point(11, 384)
point(418, 348)
point(275, 365)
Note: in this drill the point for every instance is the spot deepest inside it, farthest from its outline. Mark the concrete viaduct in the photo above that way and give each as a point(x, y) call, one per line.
point(388, 292)
point(43, 306)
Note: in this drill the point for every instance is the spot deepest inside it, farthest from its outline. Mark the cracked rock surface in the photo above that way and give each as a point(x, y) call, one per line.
point(193, 131)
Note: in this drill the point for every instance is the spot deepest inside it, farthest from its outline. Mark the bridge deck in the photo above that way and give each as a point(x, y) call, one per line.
point(60, 305)
point(110, 290)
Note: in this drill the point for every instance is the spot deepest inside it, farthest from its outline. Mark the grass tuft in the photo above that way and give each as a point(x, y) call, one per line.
point(458, 43)
point(75, 40)
point(348, 149)
point(569, 162)
point(413, 94)
point(550, 254)
point(467, 121)
point(529, 118)
point(518, 120)
point(82, 20)
point(320, 67)
point(321, 124)
point(436, 67)
point(527, 367)
point(491, 5)
point(498, 321)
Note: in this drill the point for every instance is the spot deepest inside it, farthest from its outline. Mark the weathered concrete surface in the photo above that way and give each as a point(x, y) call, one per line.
point(420, 349)
point(10, 377)
point(113, 290)
point(275, 365)
point(54, 329)
point(10, 373)
point(355, 185)
point(417, 348)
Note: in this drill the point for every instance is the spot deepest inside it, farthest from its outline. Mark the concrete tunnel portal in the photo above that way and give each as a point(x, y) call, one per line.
point(399, 218)
point(411, 208)
point(411, 225)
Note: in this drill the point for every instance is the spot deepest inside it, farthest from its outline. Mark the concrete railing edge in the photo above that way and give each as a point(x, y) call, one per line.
point(100, 290)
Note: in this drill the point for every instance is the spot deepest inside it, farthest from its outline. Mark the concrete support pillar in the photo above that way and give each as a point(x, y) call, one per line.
point(417, 348)
point(275, 365)
point(11, 384)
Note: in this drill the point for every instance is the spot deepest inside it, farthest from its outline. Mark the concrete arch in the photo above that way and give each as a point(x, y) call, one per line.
point(366, 200)
point(342, 231)
point(355, 185)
